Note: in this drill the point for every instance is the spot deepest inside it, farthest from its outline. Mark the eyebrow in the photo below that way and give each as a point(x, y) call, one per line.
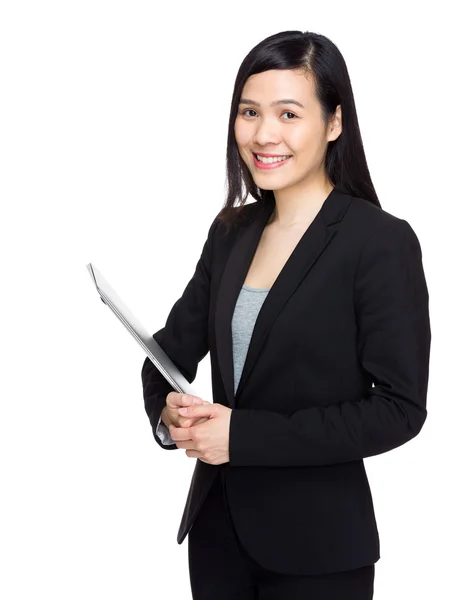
point(285, 101)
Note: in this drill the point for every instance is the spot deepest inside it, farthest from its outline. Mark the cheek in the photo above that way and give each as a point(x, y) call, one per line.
point(303, 140)
point(241, 133)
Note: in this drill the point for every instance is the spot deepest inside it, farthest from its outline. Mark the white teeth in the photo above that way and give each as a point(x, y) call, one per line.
point(270, 159)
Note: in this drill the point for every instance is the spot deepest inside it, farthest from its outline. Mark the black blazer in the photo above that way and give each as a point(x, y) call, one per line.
point(336, 371)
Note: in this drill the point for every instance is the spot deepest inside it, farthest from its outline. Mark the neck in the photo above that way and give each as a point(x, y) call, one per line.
point(295, 206)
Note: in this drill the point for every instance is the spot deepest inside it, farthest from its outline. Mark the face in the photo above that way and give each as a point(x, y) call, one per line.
point(283, 129)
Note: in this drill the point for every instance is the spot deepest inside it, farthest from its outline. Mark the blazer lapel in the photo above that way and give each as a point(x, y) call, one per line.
point(310, 246)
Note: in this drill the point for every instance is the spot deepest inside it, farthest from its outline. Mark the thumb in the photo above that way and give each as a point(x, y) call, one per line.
point(175, 400)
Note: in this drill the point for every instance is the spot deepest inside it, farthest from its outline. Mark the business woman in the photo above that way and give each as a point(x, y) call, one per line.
point(313, 304)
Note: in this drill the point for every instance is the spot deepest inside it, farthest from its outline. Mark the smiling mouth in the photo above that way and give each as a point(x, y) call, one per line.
point(270, 160)
point(270, 163)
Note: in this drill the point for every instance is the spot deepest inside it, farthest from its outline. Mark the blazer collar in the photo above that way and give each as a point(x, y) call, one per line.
point(310, 246)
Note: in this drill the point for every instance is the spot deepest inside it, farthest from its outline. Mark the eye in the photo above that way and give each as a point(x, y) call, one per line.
point(247, 110)
point(284, 113)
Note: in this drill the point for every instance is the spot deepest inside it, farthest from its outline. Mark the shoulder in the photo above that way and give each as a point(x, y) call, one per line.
point(378, 226)
point(382, 238)
point(370, 216)
point(243, 216)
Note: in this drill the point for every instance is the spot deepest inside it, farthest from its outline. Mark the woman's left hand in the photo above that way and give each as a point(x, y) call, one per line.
point(209, 440)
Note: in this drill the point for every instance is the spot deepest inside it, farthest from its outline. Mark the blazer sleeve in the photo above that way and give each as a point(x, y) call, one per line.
point(184, 338)
point(393, 344)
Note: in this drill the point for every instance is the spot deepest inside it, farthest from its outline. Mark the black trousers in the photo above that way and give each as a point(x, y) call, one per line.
point(221, 569)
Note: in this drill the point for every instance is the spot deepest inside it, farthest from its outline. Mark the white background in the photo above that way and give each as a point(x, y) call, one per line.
point(113, 133)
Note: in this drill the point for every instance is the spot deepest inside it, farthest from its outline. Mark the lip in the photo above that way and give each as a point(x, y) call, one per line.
point(268, 155)
point(275, 165)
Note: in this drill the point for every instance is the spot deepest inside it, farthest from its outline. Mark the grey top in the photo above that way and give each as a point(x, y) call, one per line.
point(248, 305)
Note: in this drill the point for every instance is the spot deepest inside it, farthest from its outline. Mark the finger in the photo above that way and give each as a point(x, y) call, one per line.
point(179, 434)
point(202, 410)
point(175, 400)
point(200, 403)
point(190, 422)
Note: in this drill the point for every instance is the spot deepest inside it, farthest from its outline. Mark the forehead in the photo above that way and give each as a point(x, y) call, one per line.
point(279, 83)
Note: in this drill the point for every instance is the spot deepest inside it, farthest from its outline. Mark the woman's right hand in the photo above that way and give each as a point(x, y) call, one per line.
point(174, 400)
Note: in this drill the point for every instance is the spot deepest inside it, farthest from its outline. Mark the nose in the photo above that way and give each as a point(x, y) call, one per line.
point(267, 132)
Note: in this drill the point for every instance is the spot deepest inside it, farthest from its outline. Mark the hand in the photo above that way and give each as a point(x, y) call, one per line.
point(207, 441)
point(174, 401)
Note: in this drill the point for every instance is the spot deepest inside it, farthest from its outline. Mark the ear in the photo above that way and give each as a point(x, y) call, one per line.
point(335, 125)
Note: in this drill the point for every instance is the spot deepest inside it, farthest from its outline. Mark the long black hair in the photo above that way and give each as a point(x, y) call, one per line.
point(345, 160)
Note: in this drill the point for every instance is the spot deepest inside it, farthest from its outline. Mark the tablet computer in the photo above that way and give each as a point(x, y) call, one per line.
point(152, 349)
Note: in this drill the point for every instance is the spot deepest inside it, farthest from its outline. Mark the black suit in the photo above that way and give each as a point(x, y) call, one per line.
point(348, 310)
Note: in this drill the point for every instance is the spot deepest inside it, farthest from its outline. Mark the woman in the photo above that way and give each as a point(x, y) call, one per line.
point(313, 304)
